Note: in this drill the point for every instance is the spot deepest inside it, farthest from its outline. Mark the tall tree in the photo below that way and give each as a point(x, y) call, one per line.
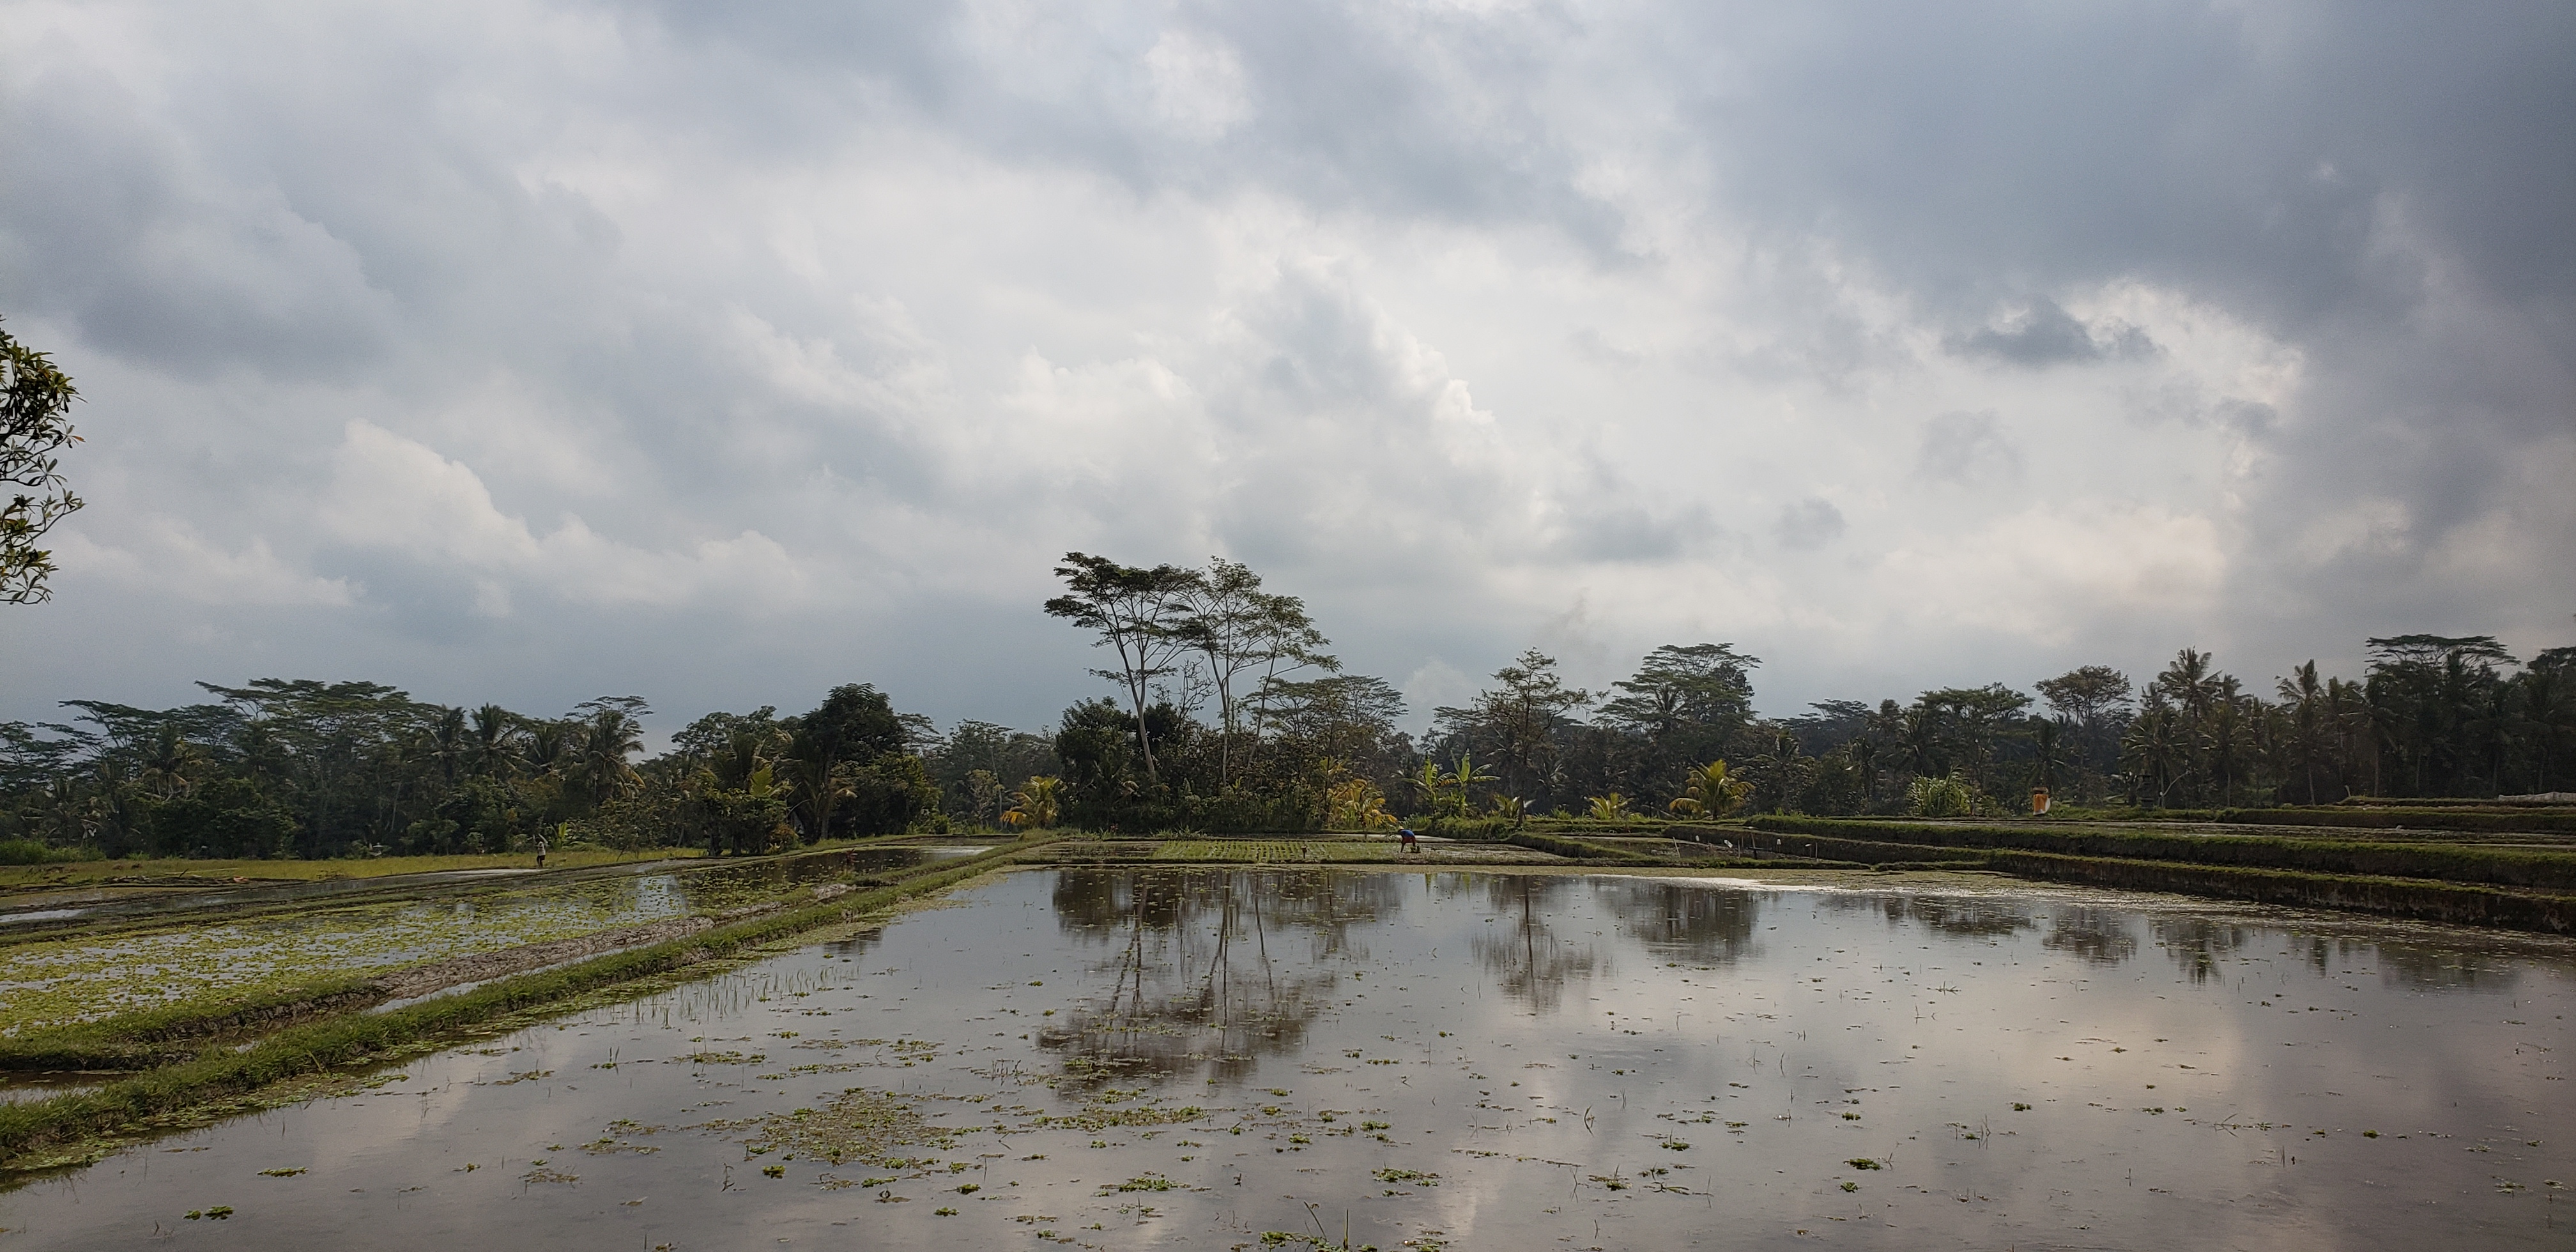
point(611, 732)
point(854, 726)
point(35, 403)
point(1239, 628)
point(2311, 729)
point(2096, 700)
point(1517, 720)
point(1138, 614)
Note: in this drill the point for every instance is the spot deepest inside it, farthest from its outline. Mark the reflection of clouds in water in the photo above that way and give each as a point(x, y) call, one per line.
point(1518, 947)
point(1679, 921)
point(2199, 944)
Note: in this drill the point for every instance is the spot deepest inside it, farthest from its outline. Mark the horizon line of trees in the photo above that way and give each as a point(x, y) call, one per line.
point(1229, 713)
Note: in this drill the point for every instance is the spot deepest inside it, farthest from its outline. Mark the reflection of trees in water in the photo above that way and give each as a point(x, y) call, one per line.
point(1680, 921)
point(1210, 967)
point(2100, 936)
point(856, 946)
point(2198, 944)
point(2439, 967)
point(1950, 915)
point(1520, 950)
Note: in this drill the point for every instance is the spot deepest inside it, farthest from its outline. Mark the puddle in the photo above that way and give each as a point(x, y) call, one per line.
point(49, 982)
point(1214, 1058)
point(24, 1088)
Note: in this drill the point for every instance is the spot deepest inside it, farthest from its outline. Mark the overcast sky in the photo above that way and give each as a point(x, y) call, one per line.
point(718, 353)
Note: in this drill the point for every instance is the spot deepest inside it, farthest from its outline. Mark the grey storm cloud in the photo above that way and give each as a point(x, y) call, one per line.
point(2046, 334)
point(1809, 524)
point(723, 353)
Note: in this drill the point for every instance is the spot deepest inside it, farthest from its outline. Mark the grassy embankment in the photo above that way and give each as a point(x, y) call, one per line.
point(225, 1067)
point(1537, 848)
point(178, 872)
point(2518, 888)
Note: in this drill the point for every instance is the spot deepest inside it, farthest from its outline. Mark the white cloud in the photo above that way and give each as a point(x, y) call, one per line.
point(166, 556)
point(832, 327)
point(392, 494)
point(1198, 85)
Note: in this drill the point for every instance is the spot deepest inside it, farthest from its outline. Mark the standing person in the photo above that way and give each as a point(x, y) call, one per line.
point(541, 849)
point(1406, 834)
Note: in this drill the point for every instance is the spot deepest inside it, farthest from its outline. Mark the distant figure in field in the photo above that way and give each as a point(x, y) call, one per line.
point(541, 852)
point(1406, 834)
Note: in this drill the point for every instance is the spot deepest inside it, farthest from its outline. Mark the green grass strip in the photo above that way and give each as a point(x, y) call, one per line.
point(357, 1036)
point(2396, 897)
point(1578, 849)
point(159, 1035)
point(2512, 867)
point(1863, 851)
point(2556, 823)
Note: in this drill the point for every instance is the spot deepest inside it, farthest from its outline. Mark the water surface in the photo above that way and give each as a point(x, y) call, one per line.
point(1200, 1058)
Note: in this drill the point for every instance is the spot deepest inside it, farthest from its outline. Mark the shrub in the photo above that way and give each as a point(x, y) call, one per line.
point(30, 852)
point(1940, 797)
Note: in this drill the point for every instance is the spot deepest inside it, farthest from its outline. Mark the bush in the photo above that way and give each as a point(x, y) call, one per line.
point(30, 852)
point(228, 818)
point(1940, 797)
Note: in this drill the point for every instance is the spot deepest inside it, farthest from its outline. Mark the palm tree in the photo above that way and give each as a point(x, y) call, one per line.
point(2224, 742)
point(1711, 792)
point(448, 744)
point(607, 739)
point(1864, 758)
point(491, 743)
point(2309, 716)
point(1609, 808)
point(2154, 752)
point(2544, 707)
point(2047, 751)
point(168, 760)
point(546, 744)
point(2189, 683)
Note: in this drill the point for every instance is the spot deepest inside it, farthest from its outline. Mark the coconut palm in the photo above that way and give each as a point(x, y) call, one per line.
point(2155, 751)
point(169, 762)
point(608, 737)
point(492, 742)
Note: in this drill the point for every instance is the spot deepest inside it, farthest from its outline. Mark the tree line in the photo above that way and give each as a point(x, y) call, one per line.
point(1227, 712)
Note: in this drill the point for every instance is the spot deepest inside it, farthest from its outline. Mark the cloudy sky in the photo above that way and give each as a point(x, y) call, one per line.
point(528, 351)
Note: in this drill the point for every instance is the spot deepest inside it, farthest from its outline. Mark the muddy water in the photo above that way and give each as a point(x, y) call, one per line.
point(52, 982)
point(1207, 1058)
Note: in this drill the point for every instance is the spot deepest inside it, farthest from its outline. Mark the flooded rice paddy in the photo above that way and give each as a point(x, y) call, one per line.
point(58, 981)
point(1211, 1058)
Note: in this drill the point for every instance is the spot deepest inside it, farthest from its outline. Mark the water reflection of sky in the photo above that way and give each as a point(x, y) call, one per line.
point(1584, 1060)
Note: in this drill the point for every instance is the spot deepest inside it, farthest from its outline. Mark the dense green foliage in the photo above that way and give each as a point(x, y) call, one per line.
point(1229, 716)
point(282, 768)
point(35, 401)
